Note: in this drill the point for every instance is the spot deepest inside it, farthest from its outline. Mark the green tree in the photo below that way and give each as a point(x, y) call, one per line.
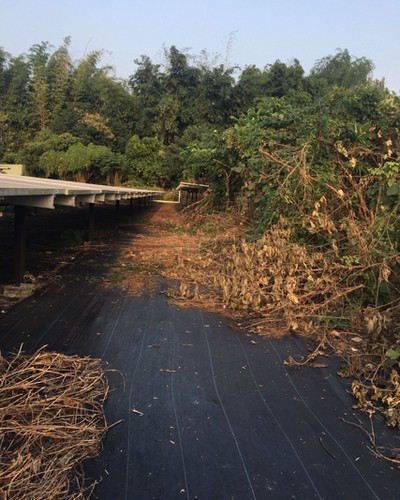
point(59, 69)
point(282, 78)
point(167, 122)
point(38, 58)
point(118, 112)
point(177, 71)
point(276, 80)
point(179, 90)
point(4, 61)
point(216, 100)
point(143, 160)
point(44, 141)
point(15, 106)
point(343, 70)
point(252, 84)
point(91, 163)
point(83, 78)
point(146, 88)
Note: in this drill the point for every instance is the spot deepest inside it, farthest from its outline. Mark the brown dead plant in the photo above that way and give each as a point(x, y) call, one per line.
point(51, 420)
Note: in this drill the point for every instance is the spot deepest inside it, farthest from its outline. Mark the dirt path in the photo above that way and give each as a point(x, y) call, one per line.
point(52, 249)
point(160, 236)
point(204, 411)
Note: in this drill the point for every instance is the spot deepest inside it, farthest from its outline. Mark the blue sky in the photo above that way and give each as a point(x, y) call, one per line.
point(241, 32)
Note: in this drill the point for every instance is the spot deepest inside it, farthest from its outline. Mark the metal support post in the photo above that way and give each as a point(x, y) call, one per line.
point(91, 221)
point(20, 242)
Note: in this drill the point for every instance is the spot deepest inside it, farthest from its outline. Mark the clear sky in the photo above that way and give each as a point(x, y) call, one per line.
point(241, 32)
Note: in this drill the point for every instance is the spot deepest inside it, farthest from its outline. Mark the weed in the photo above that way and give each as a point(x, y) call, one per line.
point(113, 277)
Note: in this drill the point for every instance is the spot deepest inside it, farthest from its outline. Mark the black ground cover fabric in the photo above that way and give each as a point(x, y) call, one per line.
point(205, 411)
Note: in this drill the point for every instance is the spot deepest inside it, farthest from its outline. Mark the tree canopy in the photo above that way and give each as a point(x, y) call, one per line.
point(170, 121)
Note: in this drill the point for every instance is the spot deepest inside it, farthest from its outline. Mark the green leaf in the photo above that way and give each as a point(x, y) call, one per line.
point(238, 169)
point(393, 354)
point(393, 190)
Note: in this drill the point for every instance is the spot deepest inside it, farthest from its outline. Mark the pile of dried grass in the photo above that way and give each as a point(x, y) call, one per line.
point(284, 284)
point(51, 419)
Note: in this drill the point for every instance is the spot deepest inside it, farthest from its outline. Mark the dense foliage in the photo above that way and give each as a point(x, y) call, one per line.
point(75, 120)
point(167, 122)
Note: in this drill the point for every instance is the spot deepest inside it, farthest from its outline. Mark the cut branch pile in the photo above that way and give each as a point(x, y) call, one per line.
point(284, 284)
point(51, 419)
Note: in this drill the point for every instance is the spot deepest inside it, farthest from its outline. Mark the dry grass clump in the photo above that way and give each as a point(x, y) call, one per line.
point(51, 419)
